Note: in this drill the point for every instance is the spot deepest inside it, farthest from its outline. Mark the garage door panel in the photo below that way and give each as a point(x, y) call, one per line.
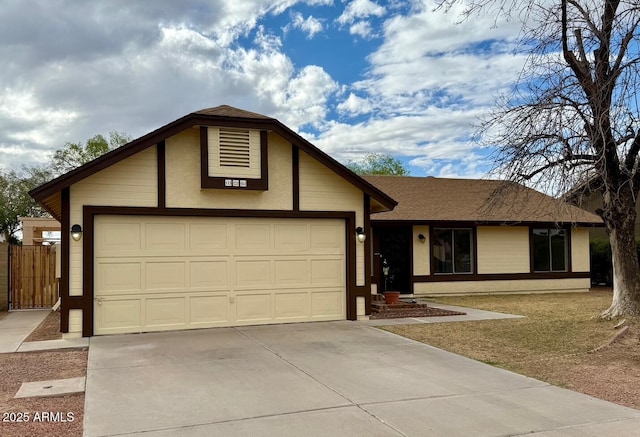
point(252, 273)
point(253, 307)
point(164, 311)
point(211, 238)
point(291, 238)
point(165, 275)
point(119, 315)
point(327, 238)
point(327, 303)
point(207, 309)
point(116, 238)
point(327, 271)
point(165, 236)
point(292, 306)
point(253, 237)
point(208, 274)
point(292, 272)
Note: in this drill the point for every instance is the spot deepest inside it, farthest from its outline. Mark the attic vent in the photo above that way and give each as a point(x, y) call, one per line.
point(235, 148)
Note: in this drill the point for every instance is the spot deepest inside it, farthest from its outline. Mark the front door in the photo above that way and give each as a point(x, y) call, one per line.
point(395, 252)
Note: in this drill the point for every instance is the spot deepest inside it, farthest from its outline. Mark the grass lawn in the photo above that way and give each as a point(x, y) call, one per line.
point(552, 343)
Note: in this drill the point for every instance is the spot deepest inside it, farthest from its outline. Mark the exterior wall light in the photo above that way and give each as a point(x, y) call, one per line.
point(76, 232)
point(360, 235)
point(422, 238)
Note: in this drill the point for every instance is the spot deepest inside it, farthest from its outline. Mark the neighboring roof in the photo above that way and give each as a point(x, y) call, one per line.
point(220, 115)
point(429, 199)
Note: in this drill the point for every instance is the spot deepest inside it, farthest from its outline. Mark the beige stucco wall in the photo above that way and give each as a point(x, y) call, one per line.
point(580, 261)
point(511, 286)
point(503, 249)
point(132, 182)
point(183, 184)
point(323, 190)
point(421, 251)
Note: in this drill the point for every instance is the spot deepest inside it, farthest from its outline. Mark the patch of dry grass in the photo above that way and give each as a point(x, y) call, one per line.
point(552, 343)
point(555, 325)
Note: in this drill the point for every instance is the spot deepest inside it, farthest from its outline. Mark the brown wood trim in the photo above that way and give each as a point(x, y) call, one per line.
point(295, 177)
point(85, 302)
point(466, 223)
point(65, 226)
point(367, 254)
point(207, 181)
point(500, 276)
point(198, 119)
point(352, 288)
point(87, 273)
point(162, 179)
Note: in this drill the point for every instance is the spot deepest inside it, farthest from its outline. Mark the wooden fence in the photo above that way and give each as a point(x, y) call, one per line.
point(33, 282)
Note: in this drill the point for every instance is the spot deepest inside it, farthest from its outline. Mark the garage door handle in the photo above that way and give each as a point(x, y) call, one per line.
point(99, 300)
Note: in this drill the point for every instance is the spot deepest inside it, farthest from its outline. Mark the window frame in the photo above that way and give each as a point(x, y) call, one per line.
point(567, 249)
point(472, 252)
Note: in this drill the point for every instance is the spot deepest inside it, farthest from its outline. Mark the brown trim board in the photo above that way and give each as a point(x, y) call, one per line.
point(295, 176)
point(500, 276)
point(200, 119)
point(65, 226)
point(162, 177)
point(89, 212)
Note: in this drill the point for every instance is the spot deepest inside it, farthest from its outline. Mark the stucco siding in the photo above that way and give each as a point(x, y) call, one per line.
point(132, 182)
point(183, 184)
point(580, 250)
point(503, 249)
point(509, 286)
point(421, 261)
point(323, 190)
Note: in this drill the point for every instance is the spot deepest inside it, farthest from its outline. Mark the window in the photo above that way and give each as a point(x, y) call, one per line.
point(549, 250)
point(452, 250)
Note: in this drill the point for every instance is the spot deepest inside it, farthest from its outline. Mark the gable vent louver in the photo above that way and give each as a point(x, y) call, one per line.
point(235, 148)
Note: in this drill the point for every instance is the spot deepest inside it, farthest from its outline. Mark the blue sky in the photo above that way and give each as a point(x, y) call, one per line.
point(353, 76)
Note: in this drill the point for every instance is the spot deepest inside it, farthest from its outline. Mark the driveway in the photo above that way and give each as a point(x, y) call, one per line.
point(321, 379)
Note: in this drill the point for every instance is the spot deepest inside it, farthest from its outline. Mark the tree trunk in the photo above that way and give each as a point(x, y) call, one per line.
point(626, 272)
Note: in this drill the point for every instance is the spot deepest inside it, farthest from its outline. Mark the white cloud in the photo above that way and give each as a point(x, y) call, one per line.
point(360, 9)
point(311, 26)
point(361, 28)
point(354, 105)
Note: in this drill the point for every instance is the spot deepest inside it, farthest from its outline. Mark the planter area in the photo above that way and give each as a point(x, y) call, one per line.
point(382, 310)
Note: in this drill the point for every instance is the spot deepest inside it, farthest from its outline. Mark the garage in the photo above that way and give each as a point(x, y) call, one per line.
point(159, 273)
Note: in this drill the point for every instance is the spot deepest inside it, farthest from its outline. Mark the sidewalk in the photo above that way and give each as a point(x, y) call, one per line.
point(17, 326)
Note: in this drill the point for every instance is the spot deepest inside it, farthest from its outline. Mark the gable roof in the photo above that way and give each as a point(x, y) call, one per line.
point(429, 199)
point(220, 115)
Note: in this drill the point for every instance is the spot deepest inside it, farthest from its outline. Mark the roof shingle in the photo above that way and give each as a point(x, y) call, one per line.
point(472, 200)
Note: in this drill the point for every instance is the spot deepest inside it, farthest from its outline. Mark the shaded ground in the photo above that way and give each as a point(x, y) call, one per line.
point(40, 366)
point(552, 343)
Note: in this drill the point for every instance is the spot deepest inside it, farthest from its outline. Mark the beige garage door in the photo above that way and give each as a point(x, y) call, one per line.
point(169, 273)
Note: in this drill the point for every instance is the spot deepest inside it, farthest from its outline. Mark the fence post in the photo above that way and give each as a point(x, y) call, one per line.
point(4, 276)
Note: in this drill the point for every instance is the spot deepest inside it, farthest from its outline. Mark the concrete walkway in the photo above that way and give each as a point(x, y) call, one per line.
point(321, 379)
point(17, 325)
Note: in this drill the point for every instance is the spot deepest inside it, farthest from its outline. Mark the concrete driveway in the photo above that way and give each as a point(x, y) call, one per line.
point(321, 379)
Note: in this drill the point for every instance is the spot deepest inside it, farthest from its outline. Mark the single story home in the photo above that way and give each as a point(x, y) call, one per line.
point(460, 236)
point(226, 217)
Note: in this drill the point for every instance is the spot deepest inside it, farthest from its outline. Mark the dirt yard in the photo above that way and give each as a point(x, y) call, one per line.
point(63, 415)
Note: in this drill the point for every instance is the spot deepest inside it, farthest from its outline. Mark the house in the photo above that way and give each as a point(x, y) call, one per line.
point(226, 217)
point(34, 229)
point(221, 218)
point(450, 236)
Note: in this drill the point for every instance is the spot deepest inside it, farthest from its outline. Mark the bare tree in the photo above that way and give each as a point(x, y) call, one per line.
point(573, 118)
